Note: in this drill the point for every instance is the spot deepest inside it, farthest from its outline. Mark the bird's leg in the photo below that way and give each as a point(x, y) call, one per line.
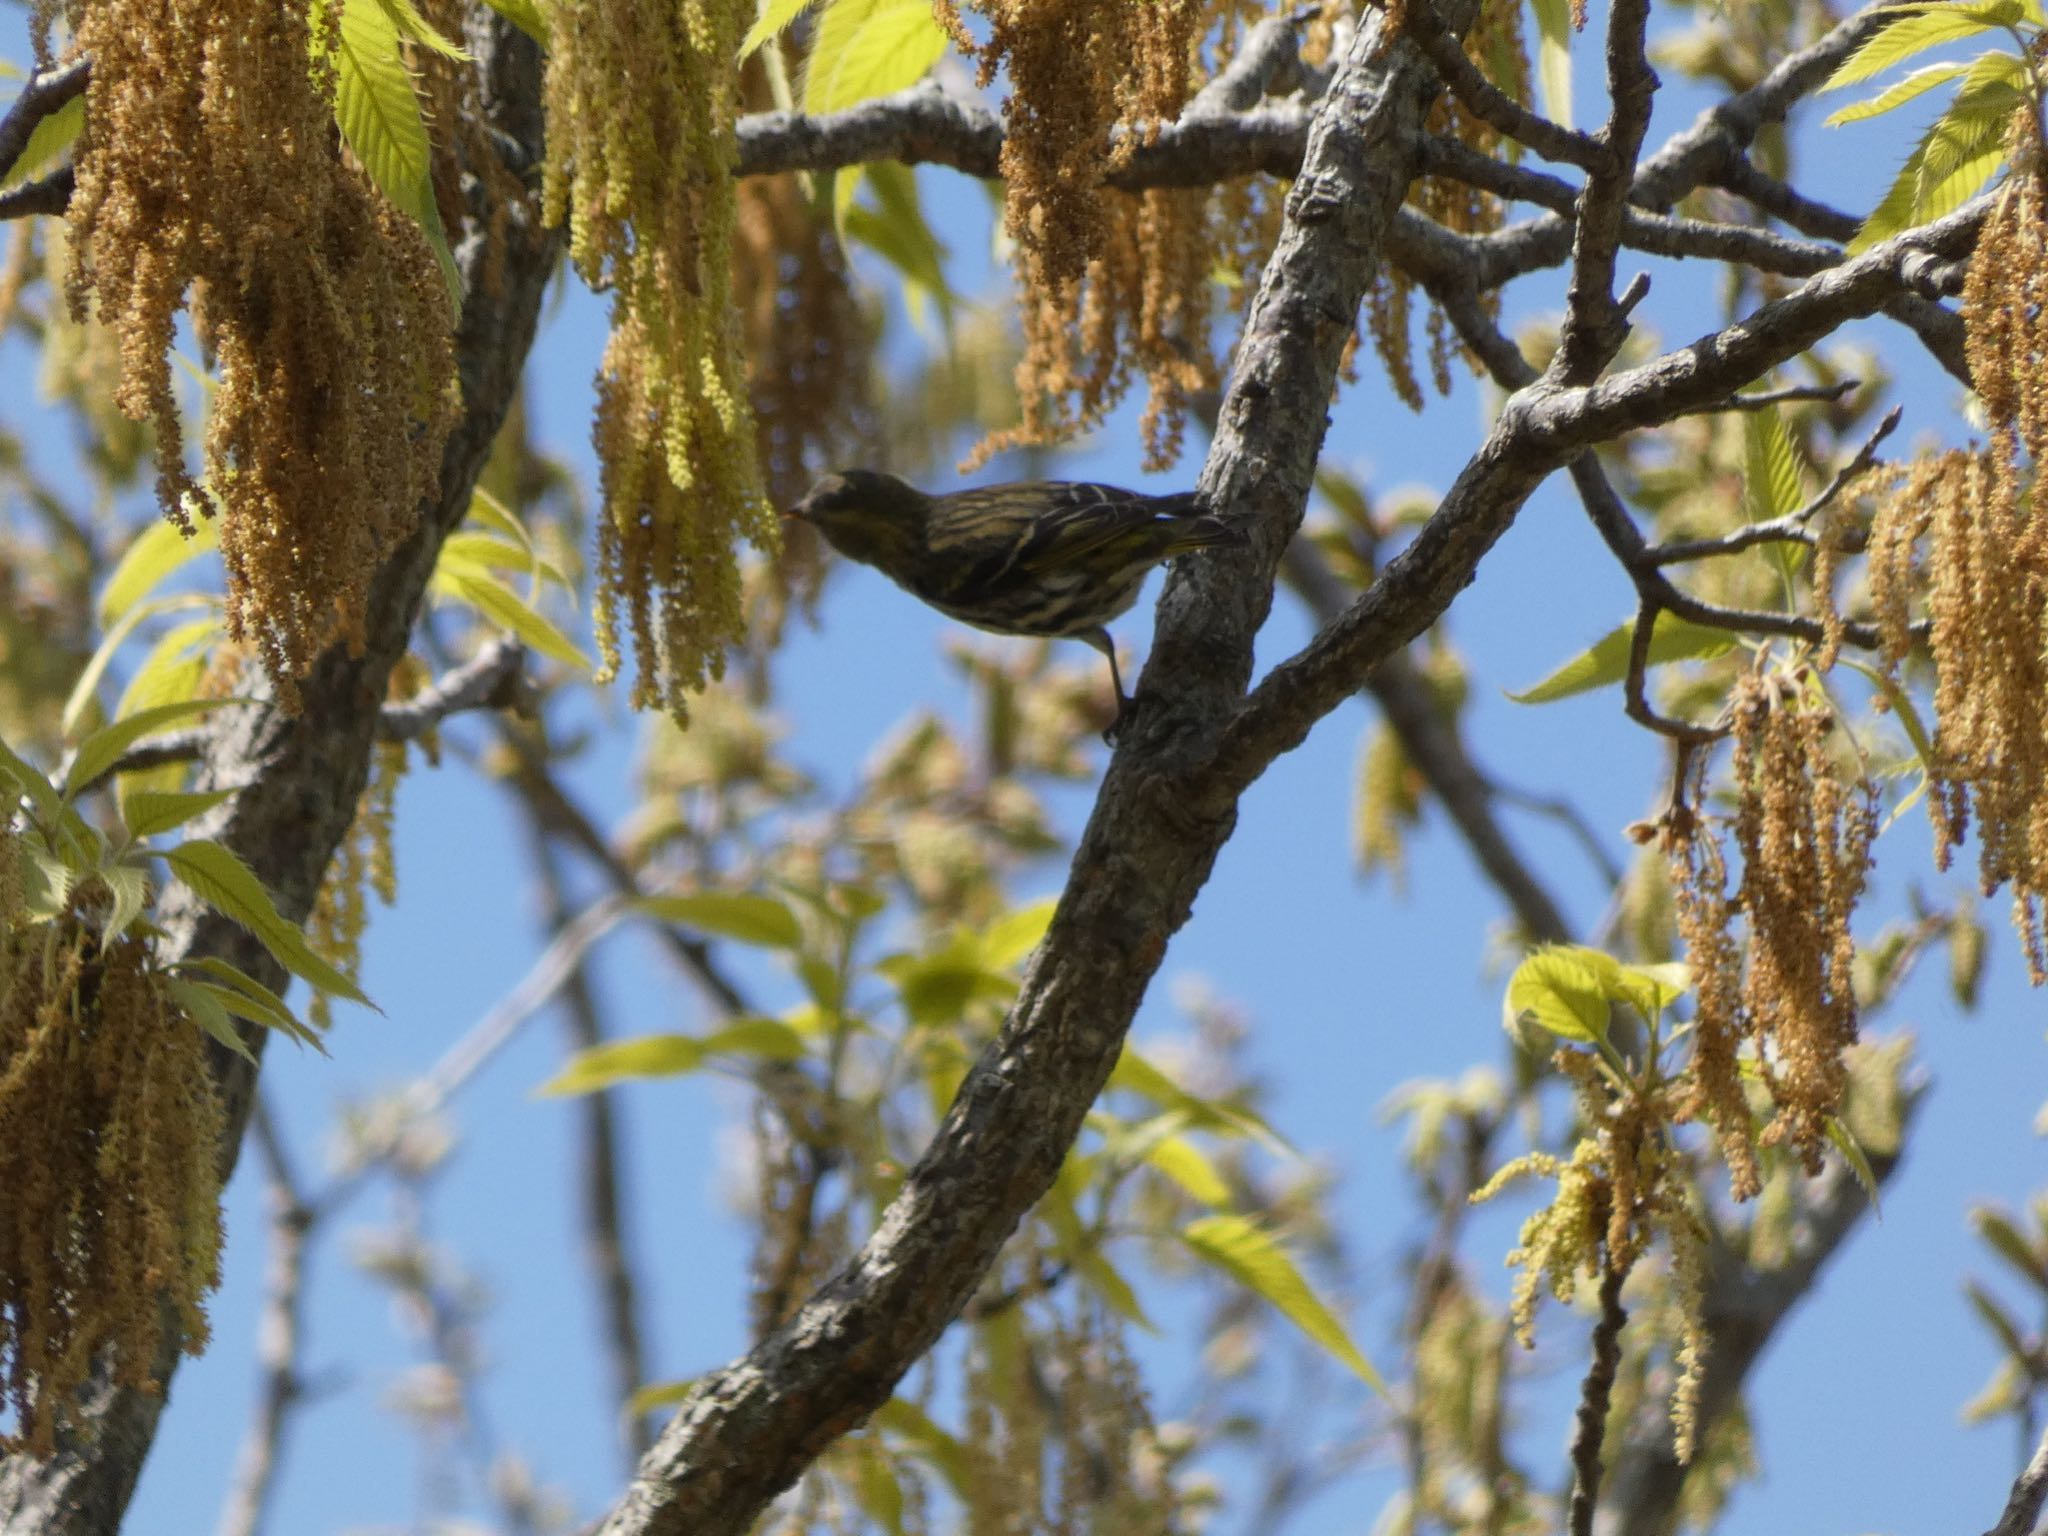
point(1099, 638)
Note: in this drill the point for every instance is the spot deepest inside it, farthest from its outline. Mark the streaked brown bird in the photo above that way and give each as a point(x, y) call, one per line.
point(1053, 558)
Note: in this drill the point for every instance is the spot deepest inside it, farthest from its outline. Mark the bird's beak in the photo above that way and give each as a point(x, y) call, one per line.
point(799, 513)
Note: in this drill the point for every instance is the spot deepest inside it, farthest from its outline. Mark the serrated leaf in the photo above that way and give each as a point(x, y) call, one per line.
point(1852, 1154)
point(775, 18)
point(172, 667)
point(1247, 1252)
point(151, 811)
point(104, 747)
point(1954, 156)
point(746, 916)
point(379, 114)
point(155, 553)
point(1897, 94)
point(1606, 661)
point(526, 15)
point(269, 1008)
point(203, 1008)
point(507, 609)
point(1554, 58)
point(1771, 483)
point(1918, 28)
point(414, 27)
point(130, 888)
point(217, 876)
point(868, 48)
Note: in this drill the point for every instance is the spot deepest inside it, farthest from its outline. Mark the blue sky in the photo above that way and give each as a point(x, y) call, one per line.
point(1352, 992)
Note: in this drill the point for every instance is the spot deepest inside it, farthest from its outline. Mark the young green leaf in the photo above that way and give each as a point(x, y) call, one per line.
point(869, 48)
point(130, 888)
point(508, 610)
point(1917, 28)
point(218, 877)
point(156, 552)
point(379, 114)
point(743, 915)
point(203, 1007)
point(1897, 94)
point(526, 15)
point(1772, 486)
point(104, 747)
point(1242, 1249)
point(1606, 661)
point(1565, 989)
point(1554, 58)
point(774, 19)
point(153, 811)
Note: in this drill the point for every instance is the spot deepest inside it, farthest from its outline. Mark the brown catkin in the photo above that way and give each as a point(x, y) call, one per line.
point(210, 168)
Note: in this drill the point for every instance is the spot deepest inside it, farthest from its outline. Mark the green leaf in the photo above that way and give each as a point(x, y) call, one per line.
point(414, 27)
point(1956, 154)
point(155, 553)
point(869, 48)
point(1108, 1282)
point(1189, 1167)
point(895, 229)
point(1247, 1252)
point(658, 1395)
point(938, 987)
point(218, 877)
point(1918, 28)
point(743, 915)
point(172, 668)
point(1565, 989)
point(1554, 58)
point(1852, 1154)
point(104, 747)
point(51, 810)
point(526, 15)
point(1015, 934)
point(1897, 94)
point(152, 811)
point(875, 1488)
point(507, 609)
point(1771, 483)
point(202, 1006)
point(50, 138)
point(655, 1056)
point(2003, 1238)
point(914, 1427)
point(757, 1035)
point(2001, 1324)
point(1606, 661)
point(379, 114)
point(774, 19)
point(1136, 1073)
point(86, 690)
point(259, 1004)
point(130, 887)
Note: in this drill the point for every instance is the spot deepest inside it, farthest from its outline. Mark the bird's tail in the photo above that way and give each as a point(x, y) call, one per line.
point(1195, 527)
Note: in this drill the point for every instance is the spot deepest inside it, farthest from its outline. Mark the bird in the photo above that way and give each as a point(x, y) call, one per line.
point(1048, 558)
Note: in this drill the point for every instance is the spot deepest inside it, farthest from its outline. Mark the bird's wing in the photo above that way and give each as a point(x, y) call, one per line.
point(1076, 519)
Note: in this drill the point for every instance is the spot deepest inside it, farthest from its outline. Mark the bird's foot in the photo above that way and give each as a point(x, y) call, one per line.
point(1126, 711)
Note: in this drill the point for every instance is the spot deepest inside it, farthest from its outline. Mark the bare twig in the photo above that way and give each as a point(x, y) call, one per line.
point(495, 678)
point(1635, 688)
point(1792, 527)
point(49, 193)
point(1590, 1426)
point(2029, 1492)
point(279, 1335)
point(1493, 106)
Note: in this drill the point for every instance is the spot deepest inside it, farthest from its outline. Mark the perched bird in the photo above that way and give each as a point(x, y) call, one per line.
point(1035, 558)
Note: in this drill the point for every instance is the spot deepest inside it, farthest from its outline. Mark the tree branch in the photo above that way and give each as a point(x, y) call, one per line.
point(2029, 1491)
point(300, 775)
point(1589, 1427)
point(746, 1432)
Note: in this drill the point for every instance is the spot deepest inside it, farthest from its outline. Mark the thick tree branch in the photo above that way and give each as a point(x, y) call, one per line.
point(301, 775)
point(749, 1430)
point(2029, 1492)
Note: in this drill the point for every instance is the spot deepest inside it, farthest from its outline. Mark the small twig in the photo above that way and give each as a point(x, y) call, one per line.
point(1268, 53)
point(1786, 204)
point(1568, 816)
point(1792, 527)
point(279, 1337)
point(1487, 102)
point(2029, 1493)
point(1764, 399)
point(494, 678)
point(1594, 1395)
point(47, 91)
point(1635, 692)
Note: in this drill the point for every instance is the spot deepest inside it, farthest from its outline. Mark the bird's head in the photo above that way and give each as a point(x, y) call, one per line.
point(865, 514)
